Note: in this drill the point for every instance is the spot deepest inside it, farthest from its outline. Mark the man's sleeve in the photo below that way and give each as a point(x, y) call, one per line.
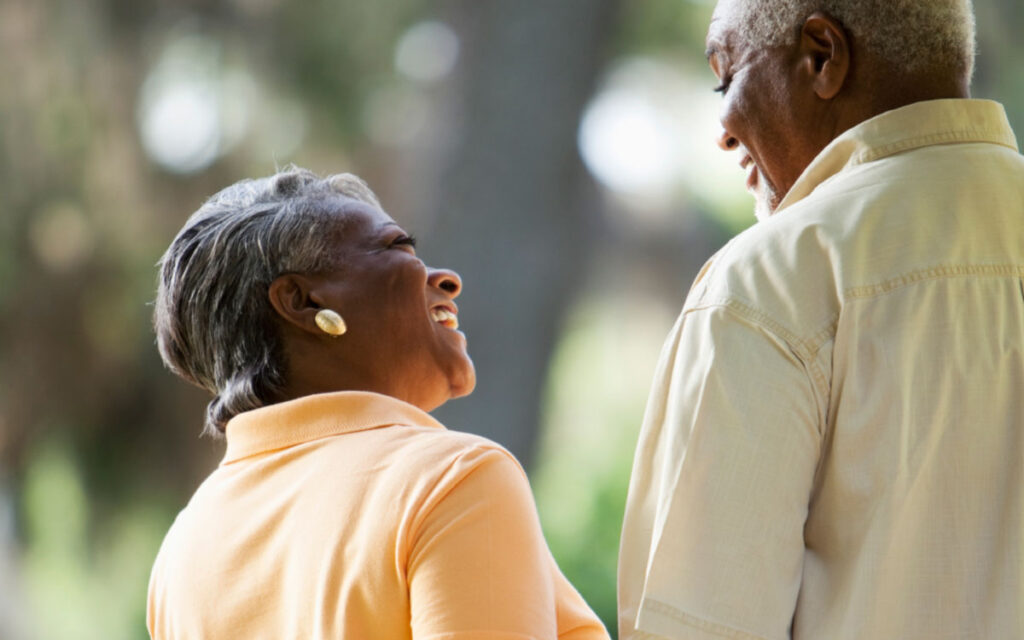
point(727, 510)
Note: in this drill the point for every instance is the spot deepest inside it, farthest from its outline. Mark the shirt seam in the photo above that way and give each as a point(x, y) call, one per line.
point(981, 136)
point(938, 272)
point(805, 350)
point(431, 502)
point(289, 440)
point(656, 606)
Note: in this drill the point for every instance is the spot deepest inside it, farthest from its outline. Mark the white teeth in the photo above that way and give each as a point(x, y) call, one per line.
point(445, 317)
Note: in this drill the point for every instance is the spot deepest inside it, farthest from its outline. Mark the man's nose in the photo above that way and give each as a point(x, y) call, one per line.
point(726, 142)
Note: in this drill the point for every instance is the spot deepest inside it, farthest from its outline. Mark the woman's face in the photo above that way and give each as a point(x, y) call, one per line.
point(402, 338)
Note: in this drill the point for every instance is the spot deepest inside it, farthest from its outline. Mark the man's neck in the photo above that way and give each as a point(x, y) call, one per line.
point(891, 89)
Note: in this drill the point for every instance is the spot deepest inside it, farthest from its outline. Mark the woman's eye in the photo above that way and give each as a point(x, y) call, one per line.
point(723, 87)
point(404, 241)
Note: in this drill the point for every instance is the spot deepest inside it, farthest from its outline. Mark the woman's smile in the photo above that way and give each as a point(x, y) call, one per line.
point(446, 315)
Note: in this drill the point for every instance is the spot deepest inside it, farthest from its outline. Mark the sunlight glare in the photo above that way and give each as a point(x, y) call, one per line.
point(648, 135)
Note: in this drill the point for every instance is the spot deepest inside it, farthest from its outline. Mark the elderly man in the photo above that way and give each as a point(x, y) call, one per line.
point(834, 444)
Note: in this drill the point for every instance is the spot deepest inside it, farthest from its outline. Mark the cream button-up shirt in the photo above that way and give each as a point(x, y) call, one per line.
point(833, 447)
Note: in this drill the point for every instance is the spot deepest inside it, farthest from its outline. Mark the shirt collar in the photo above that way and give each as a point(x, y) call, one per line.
point(920, 124)
point(316, 416)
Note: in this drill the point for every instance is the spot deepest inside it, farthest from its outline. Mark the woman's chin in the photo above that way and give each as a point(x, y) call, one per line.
point(460, 383)
point(463, 383)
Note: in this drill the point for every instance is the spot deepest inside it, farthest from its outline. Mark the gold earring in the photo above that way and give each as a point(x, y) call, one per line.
point(330, 322)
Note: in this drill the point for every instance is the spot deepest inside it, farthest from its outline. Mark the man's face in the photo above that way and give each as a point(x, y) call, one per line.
point(763, 117)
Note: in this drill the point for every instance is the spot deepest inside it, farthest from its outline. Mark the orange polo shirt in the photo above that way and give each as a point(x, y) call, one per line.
point(355, 515)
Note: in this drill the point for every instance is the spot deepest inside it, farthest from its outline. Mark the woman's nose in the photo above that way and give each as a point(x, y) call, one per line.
point(726, 142)
point(446, 280)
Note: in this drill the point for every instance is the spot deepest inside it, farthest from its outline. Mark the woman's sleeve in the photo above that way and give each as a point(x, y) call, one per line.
point(478, 566)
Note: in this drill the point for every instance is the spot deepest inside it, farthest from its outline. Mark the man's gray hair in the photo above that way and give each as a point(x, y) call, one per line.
point(214, 323)
point(912, 35)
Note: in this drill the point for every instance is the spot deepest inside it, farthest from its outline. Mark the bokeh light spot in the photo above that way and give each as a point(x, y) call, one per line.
point(61, 237)
point(427, 51)
point(648, 135)
point(395, 115)
point(179, 124)
point(629, 144)
point(193, 107)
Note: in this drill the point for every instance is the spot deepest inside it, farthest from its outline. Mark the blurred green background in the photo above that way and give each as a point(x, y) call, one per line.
point(559, 155)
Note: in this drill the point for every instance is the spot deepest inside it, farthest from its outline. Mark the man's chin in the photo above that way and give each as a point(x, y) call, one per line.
point(766, 200)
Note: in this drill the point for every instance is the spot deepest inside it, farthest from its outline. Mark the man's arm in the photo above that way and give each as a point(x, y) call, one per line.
point(723, 476)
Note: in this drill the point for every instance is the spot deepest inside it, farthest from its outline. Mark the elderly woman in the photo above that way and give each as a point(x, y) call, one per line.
point(341, 508)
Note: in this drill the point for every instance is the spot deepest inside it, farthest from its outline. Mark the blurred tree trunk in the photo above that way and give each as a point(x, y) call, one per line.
point(511, 212)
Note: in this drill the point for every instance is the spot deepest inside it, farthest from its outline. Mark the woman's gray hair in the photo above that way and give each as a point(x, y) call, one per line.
point(912, 35)
point(214, 323)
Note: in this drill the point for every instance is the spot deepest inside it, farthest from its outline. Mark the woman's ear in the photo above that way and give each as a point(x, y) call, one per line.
point(825, 54)
point(294, 298)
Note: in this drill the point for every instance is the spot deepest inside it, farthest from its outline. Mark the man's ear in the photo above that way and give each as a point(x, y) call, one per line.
point(296, 301)
point(825, 54)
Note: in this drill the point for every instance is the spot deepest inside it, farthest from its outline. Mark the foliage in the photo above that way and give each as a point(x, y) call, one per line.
point(99, 446)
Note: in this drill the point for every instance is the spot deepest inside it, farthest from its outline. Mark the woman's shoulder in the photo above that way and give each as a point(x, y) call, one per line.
point(445, 447)
point(428, 466)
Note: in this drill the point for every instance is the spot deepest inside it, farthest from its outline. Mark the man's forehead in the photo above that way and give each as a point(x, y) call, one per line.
point(723, 20)
point(727, 10)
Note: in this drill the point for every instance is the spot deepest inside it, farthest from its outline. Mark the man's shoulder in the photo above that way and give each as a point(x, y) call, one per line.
point(782, 270)
point(867, 223)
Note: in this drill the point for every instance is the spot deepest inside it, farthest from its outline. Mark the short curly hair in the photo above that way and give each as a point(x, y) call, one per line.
point(214, 323)
point(913, 35)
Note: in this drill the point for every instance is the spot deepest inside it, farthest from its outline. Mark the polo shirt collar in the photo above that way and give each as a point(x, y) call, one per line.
point(920, 124)
point(321, 415)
